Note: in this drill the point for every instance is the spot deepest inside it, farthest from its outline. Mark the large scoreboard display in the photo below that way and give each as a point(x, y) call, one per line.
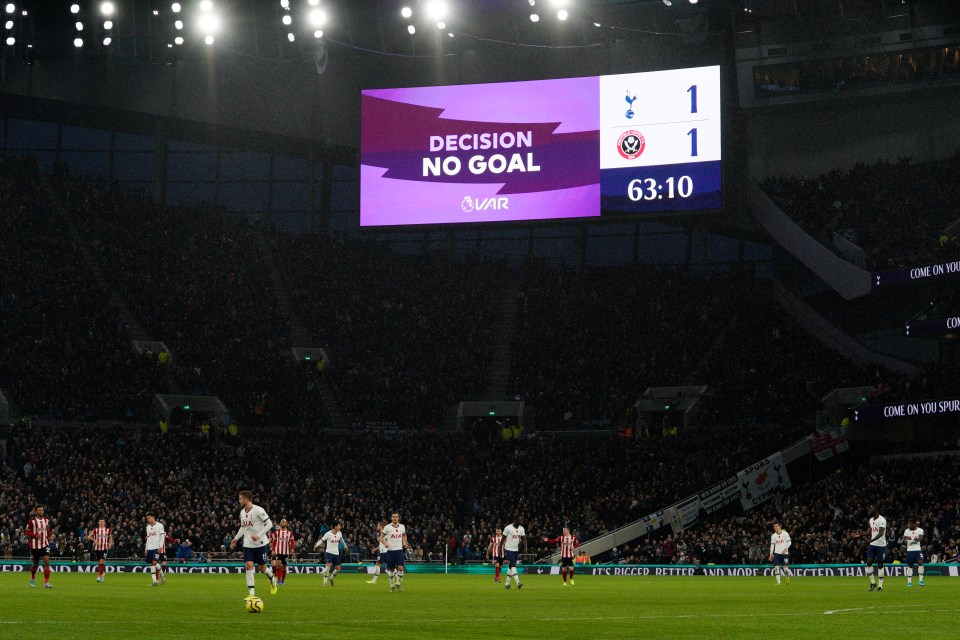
point(545, 149)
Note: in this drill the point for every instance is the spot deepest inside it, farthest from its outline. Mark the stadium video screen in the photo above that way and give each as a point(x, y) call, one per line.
point(545, 149)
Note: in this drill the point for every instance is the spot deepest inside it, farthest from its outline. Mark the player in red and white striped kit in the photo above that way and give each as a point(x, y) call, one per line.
point(102, 539)
point(495, 552)
point(567, 544)
point(282, 545)
point(38, 530)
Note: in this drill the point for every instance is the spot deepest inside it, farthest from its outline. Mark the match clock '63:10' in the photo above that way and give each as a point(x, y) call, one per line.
point(660, 140)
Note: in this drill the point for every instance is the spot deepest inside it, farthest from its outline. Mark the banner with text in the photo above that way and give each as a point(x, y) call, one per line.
point(720, 495)
point(684, 514)
point(901, 410)
point(761, 480)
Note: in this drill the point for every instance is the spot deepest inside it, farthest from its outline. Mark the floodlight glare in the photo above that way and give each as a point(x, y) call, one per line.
point(11, 8)
point(562, 14)
point(285, 4)
point(175, 7)
point(206, 6)
point(106, 8)
point(286, 19)
point(411, 29)
point(178, 24)
point(78, 42)
point(406, 12)
point(436, 9)
point(178, 40)
point(291, 37)
point(208, 40)
point(108, 25)
point(318, 34)
point(317, 17)
point(534, 17)
point(441, 25)
point(533, 3)
point(107, 41)
point(74, 8)
point(693, 1)
point(314, 3)
point(208, 23)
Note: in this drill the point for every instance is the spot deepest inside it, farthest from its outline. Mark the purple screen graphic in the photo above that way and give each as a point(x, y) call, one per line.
point(480, 153)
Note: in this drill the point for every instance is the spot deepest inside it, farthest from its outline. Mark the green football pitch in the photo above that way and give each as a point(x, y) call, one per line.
point(473, 606)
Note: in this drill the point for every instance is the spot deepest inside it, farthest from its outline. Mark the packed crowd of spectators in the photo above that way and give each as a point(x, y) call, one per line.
point(190, 481)
point(588, 344)
point(197, 281)
point(897, 212)
point(408, 334)
point(827, 520)
point(64, 353)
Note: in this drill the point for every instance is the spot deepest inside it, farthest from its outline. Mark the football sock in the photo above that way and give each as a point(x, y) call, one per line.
point(33, 573)
point(497, 570)
point(153, 572)
point(250, 574)
point(909, 574)
point(46, 574)
point(880, 577)
point(920, 571)
point(777, 572)
point(873, 574)
point(269, 572)
point(563, 573)
point(399, 575)
point(100, 570)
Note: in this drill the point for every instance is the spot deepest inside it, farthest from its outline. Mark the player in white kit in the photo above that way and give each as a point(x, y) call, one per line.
point(513, 534)
point(332, 540)
point(381, 551)
point(913, 536)
point(394, 538)
point(780, 552)
point(255, 526)
point(156, 539)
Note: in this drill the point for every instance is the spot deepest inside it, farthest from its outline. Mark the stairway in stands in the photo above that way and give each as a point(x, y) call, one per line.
point(501, 355)
point(299, 334)
point(134, 328)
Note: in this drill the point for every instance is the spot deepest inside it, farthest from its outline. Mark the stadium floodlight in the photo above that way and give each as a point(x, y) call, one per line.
point(108, 25)
point(9, 24)
point(285, 4)
point(668, 3)
point(286, 19)
point(411, 29)
point(11, 41)
point(596, 24)
point(562, 14)
point(534, 17)
point(155, 12)
point(406, 12)
point(11, 8)
point(107, 41)
point(24, 13)
point(318, 34)
point(206, 6)
point(208, 40)
point(693, 1)
point(208, 23)
point(436, 9)
point(313, 3)
point(78, 42)
point(178, 40)
point(175, 7)
point(106, 8)
point(74, 8)
point(450, 34)
point(178, 25)
point(533, 3)
point(441, 25)
point(291, 37)
point(317, 17)
point(79, 26)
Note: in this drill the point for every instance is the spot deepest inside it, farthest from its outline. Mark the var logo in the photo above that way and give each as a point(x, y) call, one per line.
point(483, 204)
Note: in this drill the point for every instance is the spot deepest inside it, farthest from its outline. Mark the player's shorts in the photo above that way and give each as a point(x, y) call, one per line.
point(781, 559)
point(914, 557)
point(152, 556)
point(394, 559)
point(498, 560)
point(100, 555)
point(566, 562)
point(161, 556)
point(333, 558)
point(511, 557)
point(876, 552)
point(281, 557)
point(382, 557)
point(38, 554)
point(257, 555)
